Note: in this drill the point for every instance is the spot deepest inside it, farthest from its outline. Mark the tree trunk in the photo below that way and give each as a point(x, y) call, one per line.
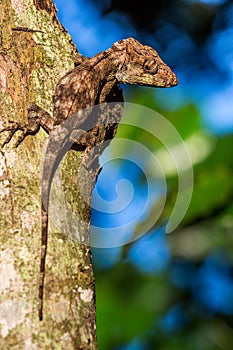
point(35, 53)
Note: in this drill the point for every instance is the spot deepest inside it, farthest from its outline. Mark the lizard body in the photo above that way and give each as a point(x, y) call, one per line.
point(95, 81)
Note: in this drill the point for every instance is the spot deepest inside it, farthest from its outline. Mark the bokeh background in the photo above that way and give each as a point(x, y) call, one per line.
point(169, 291)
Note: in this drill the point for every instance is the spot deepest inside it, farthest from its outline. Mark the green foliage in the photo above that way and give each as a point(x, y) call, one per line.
point(132, 305)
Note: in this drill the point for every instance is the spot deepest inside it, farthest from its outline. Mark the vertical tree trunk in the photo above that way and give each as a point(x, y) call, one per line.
point(35, 52)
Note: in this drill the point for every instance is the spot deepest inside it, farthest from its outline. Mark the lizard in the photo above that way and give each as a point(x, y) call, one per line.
point(96, 81)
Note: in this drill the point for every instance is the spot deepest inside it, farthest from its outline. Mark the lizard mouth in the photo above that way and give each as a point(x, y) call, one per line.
point(160, 82)
point(167, 78)
point(164, 77)
point(173, 81)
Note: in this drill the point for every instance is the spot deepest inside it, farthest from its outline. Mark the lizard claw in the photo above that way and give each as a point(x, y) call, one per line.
point(13, 126)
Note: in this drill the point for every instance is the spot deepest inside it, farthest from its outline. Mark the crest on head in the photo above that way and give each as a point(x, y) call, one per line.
point(142, 65)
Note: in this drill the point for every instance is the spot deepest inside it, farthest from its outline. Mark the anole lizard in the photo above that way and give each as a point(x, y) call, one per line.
point(95, 81)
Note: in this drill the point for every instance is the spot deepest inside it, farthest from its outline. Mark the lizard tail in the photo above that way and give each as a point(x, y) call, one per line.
point(60, 141)
point(44, 239)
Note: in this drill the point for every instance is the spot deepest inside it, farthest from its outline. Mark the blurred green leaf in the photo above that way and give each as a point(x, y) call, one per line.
point(128, 302)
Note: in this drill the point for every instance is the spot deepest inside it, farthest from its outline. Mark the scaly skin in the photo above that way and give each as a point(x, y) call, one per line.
point(96, 81)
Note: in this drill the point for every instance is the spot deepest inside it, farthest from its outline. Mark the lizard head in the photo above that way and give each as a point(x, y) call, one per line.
point(143, 66)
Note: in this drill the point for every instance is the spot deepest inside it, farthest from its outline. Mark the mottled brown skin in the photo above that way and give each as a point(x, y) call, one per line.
point(93, 82)
point(96, 81)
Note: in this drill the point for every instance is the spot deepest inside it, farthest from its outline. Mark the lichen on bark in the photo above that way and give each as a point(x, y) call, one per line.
point(35, 52)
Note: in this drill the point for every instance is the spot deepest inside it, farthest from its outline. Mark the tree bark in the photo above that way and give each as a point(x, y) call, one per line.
point(35, 53)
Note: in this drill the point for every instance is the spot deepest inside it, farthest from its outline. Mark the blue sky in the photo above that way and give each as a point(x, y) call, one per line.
point(213, 96)
point(211, 93)
point(90, 32)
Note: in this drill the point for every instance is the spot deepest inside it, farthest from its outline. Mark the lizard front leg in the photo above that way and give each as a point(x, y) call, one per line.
point(36, 117)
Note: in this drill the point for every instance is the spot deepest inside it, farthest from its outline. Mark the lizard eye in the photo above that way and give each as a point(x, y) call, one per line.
point(150, 66)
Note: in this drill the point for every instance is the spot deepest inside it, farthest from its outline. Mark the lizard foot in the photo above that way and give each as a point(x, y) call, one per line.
point(12, 128)
point(30, 128)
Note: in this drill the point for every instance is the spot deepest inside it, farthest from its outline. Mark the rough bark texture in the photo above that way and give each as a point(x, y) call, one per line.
point(35, 53)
